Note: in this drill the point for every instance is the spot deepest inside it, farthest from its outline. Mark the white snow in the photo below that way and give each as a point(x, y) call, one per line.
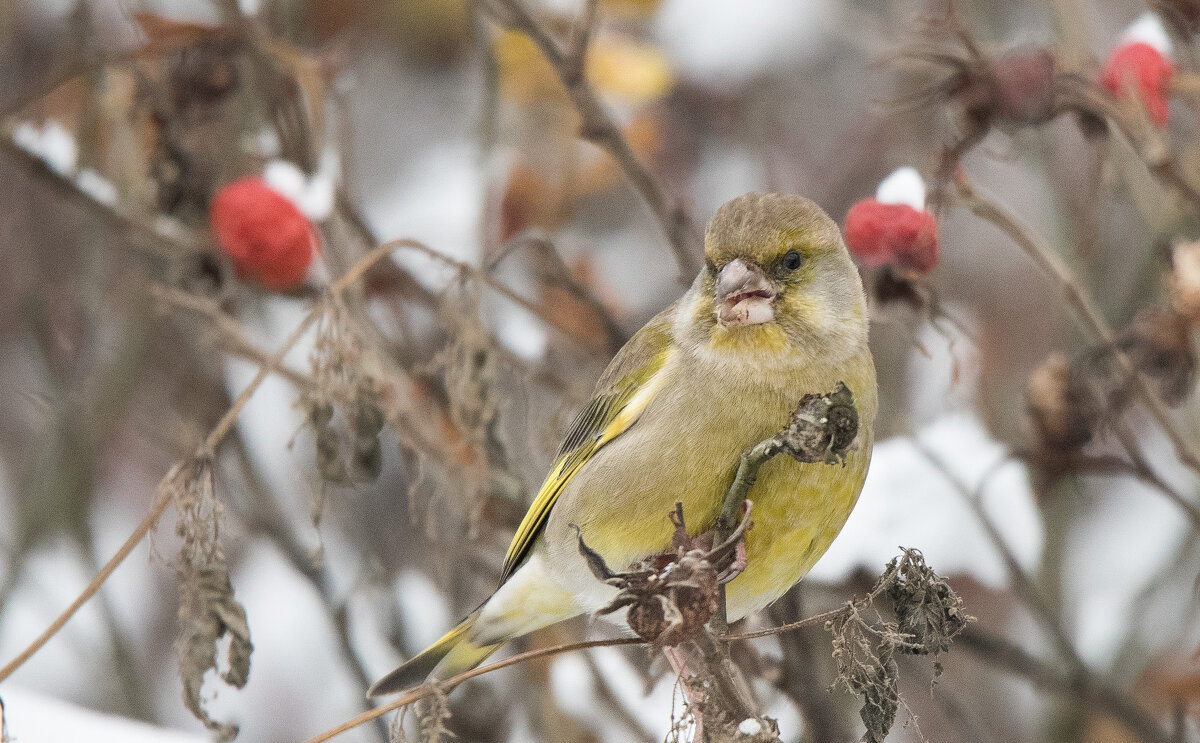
point(903, 186)
point(97, 186)
point(264, 142)
point(34, 718)
point(750, 726)
point(907, 501)
point(51, 142)
point(1148, 29)
point(313, 195)
point(726, 44)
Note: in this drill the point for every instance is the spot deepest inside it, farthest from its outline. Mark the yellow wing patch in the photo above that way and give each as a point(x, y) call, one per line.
point(606, 417)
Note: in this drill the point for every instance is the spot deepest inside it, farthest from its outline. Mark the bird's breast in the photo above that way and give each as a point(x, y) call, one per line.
point(685, 448)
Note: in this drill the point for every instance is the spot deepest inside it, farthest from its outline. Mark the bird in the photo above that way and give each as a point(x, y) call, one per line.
point(776, 312)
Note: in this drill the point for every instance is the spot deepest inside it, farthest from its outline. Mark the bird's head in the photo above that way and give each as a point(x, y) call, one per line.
point(777, 281)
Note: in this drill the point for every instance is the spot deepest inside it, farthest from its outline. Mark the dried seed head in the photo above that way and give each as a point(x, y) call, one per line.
point(671, 596)
point(929, 613)
point(1184, 282)
point(822, 428)
point(1024, 92)
point(1017, 88)
point(1158, 342)
point(1064, 408)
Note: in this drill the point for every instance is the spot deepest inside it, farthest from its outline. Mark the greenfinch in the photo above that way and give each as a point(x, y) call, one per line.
point(777, 312)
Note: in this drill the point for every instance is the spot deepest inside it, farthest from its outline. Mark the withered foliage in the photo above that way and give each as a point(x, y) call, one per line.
point(929, 615)
point(671, 597)
point(208, 610)
point(343, 406)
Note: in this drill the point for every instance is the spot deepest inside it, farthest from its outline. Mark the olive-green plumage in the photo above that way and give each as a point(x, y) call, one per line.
point(777, 312)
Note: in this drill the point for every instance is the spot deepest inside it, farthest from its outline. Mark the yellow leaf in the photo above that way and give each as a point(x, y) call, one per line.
point(618, 67)
point(525, 75)
point(624, 68)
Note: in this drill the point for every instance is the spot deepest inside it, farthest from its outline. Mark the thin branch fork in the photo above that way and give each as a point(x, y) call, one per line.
point(1085, 308)
point(597, 126)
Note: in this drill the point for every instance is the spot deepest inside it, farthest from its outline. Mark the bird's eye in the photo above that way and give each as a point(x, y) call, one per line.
point(792, 260)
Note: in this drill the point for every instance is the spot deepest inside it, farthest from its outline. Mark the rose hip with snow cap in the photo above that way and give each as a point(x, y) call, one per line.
point(269, 240)
point(894, 229)
point(1141, 65)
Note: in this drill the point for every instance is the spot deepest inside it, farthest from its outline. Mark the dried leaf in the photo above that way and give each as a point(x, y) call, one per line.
point(930, 613)
point(209, 612)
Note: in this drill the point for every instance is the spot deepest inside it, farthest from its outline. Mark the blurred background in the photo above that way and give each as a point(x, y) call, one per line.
point(362, 502)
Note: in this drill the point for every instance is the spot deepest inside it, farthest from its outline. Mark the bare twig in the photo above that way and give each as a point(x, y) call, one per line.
point(1140, 467)
point(1079, 683)
point(1074, 676)
point(215, 436)
point(1084, 306)
point(881, 587)
point(1131, 121)
point(799, 676)
point(599, 127)
point(554, 262)
point(487, 280)
point(429, 689)
point(143, 234)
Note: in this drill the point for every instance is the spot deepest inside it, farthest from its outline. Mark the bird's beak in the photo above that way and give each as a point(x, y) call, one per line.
point(744, 295)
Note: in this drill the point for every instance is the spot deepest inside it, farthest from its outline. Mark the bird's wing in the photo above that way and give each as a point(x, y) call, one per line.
point(623, 392)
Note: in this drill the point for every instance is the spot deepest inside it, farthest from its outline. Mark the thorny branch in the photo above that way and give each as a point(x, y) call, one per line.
point(599, 127)
point(165, 486)
point(903, 577)
point(1084, 306)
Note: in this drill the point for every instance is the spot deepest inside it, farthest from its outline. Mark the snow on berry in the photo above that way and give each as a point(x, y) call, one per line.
point(269, 240)
point(893, 229)
point(1141, 64)
point(903, 186)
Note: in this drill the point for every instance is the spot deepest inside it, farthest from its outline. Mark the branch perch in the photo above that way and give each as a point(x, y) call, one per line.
point(822, 429)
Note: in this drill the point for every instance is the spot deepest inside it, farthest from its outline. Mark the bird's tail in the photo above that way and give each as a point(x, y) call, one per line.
point(449, 656)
